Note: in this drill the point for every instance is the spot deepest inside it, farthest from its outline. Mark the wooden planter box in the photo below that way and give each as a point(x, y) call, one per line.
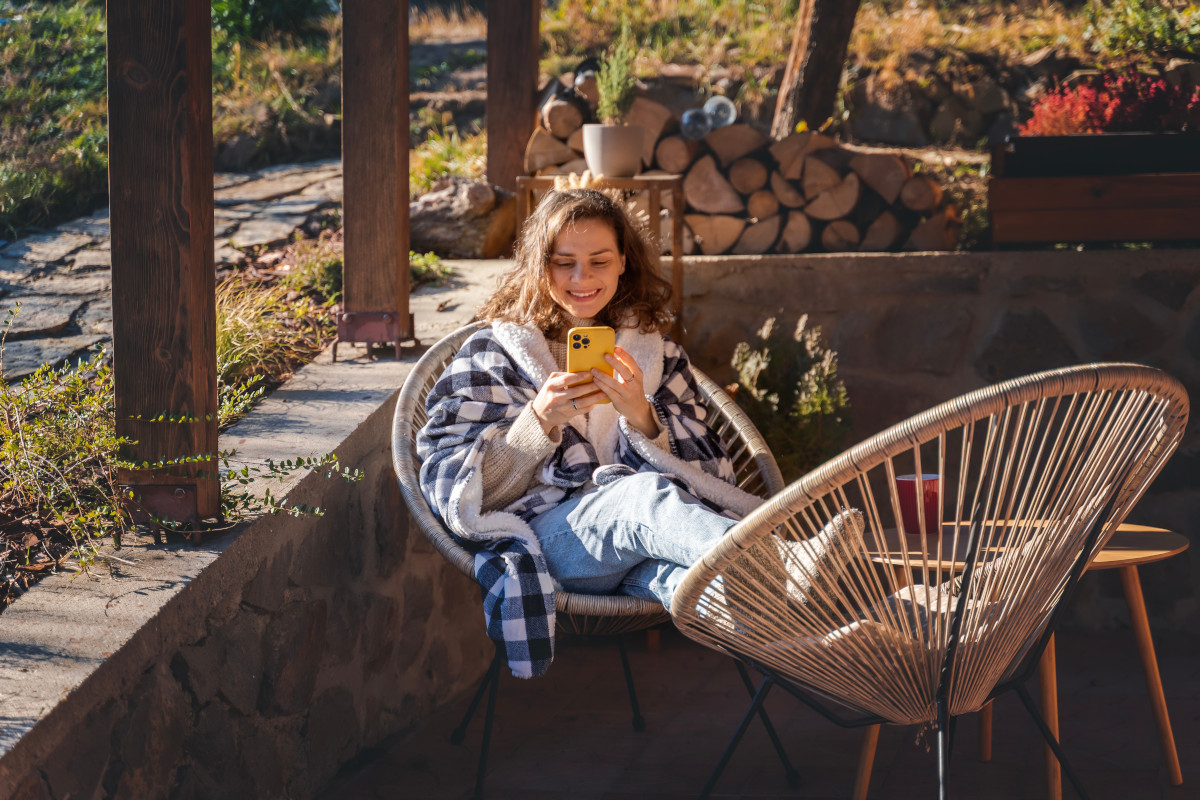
point(1109, 187)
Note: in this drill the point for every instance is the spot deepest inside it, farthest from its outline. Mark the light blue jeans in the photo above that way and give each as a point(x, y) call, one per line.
point(635, 536)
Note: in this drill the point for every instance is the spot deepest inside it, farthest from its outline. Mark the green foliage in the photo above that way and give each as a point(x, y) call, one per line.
point(445, 153)
point(317, 270)
point(262, 332)
point(427, 268)
point(616, 79)
point(249, 20)
point(1142, 27)
point(788, 385)
point(53, 114)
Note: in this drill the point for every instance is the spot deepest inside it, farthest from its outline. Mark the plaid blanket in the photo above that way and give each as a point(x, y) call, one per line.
point(496, 373)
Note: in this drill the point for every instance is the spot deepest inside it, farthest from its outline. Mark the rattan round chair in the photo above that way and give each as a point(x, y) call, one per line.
point(754, 468)
point(827, 592)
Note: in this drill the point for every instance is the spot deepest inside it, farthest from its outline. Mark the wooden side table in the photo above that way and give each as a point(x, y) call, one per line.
point(1130, 546)
point(654, 186)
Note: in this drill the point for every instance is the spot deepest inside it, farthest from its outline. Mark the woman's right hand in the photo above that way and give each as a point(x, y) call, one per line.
point(561, 399)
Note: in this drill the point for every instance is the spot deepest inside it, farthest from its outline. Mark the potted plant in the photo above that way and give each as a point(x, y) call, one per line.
point(614, 150)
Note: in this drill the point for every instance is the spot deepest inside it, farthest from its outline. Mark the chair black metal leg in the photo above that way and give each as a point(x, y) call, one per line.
point(493, 672)
point(487, 728)
point(943, 748)
point(1027, 701)
point(755, 705)
point(639, 723)
point(793, 777)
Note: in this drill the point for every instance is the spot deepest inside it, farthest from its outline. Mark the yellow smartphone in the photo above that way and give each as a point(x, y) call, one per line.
point(586, 348)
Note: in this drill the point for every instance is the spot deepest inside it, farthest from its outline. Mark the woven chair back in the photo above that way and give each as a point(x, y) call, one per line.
point(827, 587)
point(754, 467)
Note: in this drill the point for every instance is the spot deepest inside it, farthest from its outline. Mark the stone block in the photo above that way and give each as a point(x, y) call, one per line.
point(1171, 289)
point(293, 657)
point(346, 613)
point(40, 315)
point(24, 357)
point(265, 590)
point(33, 787)
point(150, 746)
point(334, 730)
point(391, 524)
point(1113, 330)
point(382, 615)
point(241, 671)
point(74, 771)
point(1023, 342)
point(268, 754)
point(926, 337)
point(201, 665)
point(46, 248)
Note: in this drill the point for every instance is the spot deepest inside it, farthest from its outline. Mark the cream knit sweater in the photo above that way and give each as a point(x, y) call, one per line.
point(512, 462)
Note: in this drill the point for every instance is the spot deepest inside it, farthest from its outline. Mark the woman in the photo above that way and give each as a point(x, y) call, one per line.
point(523, 457)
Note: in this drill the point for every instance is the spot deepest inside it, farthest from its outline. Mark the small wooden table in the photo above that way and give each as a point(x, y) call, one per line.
point(1130, 546)
point(654, 186)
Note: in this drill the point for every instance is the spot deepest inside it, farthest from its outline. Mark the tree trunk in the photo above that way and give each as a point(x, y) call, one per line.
point(814, 66)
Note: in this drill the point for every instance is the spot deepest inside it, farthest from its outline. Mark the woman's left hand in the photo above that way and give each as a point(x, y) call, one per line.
point(625, 390)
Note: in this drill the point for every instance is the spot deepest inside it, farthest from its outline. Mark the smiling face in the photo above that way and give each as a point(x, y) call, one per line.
point(586, 264)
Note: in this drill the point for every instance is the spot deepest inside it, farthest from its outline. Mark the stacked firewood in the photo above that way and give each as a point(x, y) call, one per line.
point(746, 194)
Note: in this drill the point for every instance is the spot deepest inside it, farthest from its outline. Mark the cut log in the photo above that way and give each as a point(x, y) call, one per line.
point(575, 141)
point(758, 238)
point(544, 151)
point(585, 85)
point(801, 145)
point(836, 202)
point(715, 234)
point(818, 177)
point(839, 236)
point(748, 175)
point(920, 193)
point(463, 218)
point(785, 192)
point(939, 232)
point(883, 172)
point(734, 141)
point(653, 117)
point(575, 165)
point(762, 204)
point(675, 154)
point(706, 189)
point(882, 234)
point(561, 117)
point(797, 233)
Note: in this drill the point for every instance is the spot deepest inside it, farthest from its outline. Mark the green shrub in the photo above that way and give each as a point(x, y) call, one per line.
point(1142, 27)
point(250, 20)
point(616, 79)
point(789, 388)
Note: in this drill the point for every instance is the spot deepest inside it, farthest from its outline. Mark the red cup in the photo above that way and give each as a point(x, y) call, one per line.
point(906, 488)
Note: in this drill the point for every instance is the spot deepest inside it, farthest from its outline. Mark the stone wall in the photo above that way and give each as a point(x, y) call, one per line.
point(914, 330)
point(285, 650)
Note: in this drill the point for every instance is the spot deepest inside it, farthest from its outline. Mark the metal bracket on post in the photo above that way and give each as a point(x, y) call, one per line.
point(175, 502)
point(373, 327)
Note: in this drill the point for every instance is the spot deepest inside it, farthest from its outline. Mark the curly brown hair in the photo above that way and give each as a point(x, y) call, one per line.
point(642, 295)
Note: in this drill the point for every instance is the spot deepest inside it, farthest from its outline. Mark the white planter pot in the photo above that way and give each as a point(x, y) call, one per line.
point(614, 151)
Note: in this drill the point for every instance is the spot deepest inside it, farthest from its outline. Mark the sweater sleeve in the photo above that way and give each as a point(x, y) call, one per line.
point(511, 462)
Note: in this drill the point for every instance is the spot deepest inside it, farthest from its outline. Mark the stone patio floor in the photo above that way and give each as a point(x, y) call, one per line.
point(568, 735)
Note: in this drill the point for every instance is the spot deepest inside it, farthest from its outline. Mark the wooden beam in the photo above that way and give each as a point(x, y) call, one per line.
point(375, 161)
point(513, 45)
point(163, 278)
point(813, 70)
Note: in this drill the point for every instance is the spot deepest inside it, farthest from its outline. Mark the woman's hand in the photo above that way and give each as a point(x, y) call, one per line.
point(625, 390)
point(562, 398)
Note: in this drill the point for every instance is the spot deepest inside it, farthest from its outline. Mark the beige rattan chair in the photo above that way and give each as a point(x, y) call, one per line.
point(754, 467)
point(1035, 475)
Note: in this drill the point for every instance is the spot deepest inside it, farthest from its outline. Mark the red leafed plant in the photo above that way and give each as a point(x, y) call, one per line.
point(1126, 101)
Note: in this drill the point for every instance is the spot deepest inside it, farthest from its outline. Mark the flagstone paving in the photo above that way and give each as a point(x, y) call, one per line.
point(62, 278)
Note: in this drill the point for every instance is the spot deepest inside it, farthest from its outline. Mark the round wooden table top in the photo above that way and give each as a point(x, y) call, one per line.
point(1129, 546)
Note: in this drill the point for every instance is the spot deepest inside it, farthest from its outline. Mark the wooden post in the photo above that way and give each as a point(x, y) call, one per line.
point(375, 172)
point(813, 70)
point(513, 45)
point(163, 278)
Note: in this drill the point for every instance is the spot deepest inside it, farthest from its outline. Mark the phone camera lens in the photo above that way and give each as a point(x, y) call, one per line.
point(576, 345)
point(576, 337)
point(587, 341)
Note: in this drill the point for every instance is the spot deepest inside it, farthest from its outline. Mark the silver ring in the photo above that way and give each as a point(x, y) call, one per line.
point(574, 406)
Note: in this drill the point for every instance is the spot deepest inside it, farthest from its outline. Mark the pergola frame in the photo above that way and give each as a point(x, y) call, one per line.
point(161, 194)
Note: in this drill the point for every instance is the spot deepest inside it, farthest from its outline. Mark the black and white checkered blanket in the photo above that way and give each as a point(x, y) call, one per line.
point(496, 373)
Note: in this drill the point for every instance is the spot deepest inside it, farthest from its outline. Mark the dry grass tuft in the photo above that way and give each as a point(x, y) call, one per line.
point(457, 22)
